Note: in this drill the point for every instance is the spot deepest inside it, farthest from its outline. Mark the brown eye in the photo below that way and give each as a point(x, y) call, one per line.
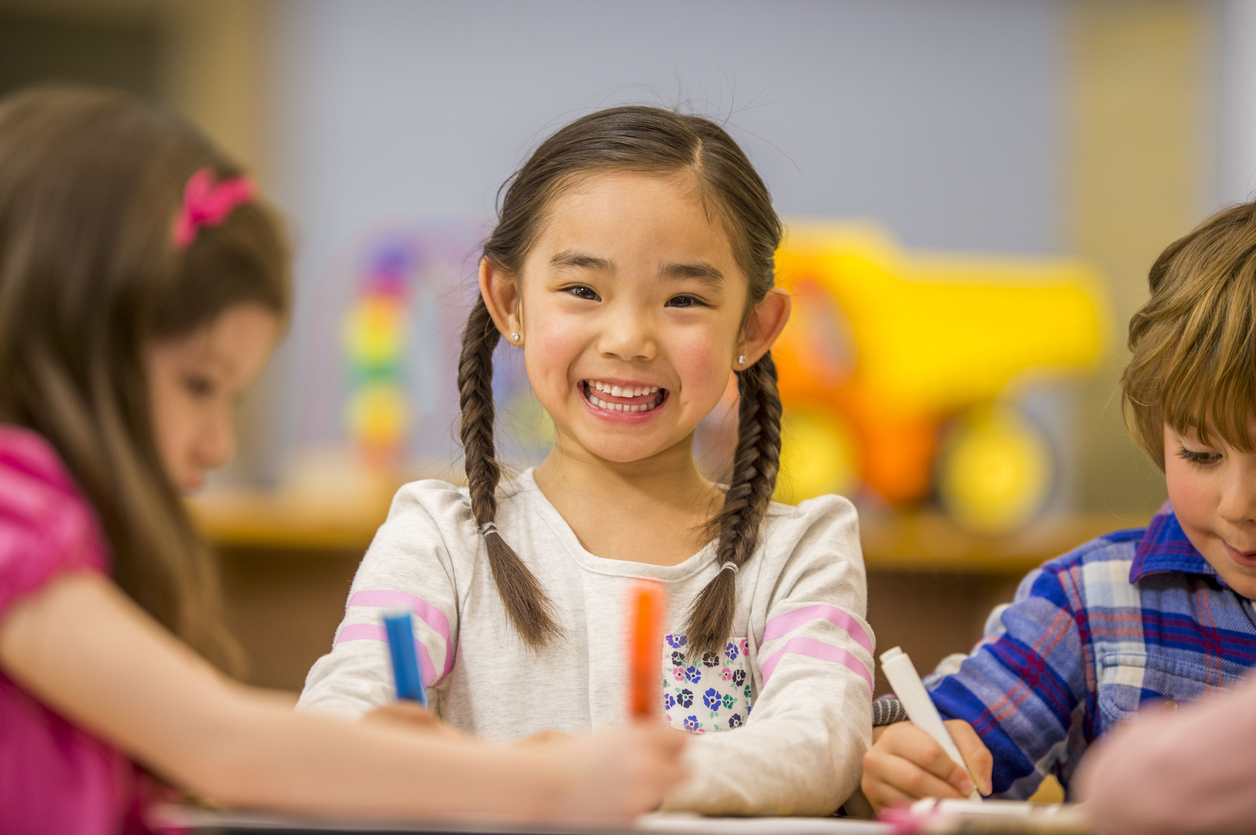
point(582, 291)
point(684, 301)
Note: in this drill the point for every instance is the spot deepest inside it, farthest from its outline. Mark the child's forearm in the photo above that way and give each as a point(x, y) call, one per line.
point(85, 649)
point(297, 762)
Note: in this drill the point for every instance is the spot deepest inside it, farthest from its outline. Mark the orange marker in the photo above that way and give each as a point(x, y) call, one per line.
point(647, 602)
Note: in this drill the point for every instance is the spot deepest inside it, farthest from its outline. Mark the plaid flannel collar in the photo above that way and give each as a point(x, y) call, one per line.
point(1164, 547)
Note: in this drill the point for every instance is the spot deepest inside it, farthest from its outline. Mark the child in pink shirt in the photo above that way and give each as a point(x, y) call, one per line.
point(142, 288)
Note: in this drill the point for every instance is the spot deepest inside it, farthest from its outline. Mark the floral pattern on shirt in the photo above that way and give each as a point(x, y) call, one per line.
point(713, 694)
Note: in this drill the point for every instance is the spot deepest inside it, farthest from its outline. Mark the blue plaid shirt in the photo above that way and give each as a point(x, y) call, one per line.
point(1128, 617)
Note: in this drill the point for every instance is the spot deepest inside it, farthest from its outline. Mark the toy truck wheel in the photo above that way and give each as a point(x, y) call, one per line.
point(995, 471)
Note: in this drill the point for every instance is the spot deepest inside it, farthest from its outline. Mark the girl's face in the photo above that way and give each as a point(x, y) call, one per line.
point(629, 307)
point(195, 381)
point(1213, 491)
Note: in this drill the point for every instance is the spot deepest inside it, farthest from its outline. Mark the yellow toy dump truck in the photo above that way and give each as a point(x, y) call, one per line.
point(897, 370)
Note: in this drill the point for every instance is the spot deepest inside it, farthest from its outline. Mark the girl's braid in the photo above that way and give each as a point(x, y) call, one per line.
point(749, 492)
point(527, 605)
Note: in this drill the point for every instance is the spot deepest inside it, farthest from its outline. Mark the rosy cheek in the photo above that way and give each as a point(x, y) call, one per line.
point(702, 365)
point(550, 351)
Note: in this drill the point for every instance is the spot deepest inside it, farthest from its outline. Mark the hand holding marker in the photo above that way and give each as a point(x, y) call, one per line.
point(906, 683)
point(404, 660)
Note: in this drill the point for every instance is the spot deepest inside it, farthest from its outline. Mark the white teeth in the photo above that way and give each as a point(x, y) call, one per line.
point(621, 407)
point(616, 391)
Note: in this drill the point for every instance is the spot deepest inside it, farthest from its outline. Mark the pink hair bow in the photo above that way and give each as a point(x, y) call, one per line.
point(206, 203)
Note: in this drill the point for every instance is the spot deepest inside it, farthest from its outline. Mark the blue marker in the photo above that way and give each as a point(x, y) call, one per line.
point(404, 660)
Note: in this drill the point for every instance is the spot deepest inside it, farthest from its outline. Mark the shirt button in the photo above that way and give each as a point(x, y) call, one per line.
point(1170, 706)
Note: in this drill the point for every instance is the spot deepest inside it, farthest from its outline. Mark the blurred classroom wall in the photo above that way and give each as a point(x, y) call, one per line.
point(1095, 128)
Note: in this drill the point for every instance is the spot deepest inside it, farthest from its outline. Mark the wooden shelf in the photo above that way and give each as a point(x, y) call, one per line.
point(926, 541)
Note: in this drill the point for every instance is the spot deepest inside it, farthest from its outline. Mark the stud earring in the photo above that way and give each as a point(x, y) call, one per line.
point(741, 359)
point(514, 336)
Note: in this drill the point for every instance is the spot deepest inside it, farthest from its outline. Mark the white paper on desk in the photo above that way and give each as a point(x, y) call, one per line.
point(688, 824)
point(221, 820)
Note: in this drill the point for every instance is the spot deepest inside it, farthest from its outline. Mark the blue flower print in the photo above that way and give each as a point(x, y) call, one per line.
point(748, 711)
point(669, 701)
point(678, 658)
point(693, 674)
point(685, 697)
point(731, 652)
point(734, 721)
point(739, 677)
point(675, 641)
point(710, 659)
point(691, 724)
point(711, 698)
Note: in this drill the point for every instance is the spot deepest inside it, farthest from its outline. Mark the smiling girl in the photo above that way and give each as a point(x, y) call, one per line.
point(632, 264)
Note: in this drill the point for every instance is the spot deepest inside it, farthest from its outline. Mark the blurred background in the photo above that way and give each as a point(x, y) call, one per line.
point(974, 189)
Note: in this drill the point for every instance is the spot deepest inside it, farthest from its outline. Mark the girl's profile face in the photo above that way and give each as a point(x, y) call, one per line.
point(630, 312)
point(1212, 488)
point(195, 380)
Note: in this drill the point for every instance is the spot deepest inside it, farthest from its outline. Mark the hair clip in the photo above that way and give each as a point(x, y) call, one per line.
point(206, 203)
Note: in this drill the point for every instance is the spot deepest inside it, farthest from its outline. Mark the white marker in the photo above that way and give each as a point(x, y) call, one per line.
point(910, 690)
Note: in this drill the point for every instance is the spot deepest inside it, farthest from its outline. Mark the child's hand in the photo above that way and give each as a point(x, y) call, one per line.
point(621, 772)
point(412, 716)
point(905, 764)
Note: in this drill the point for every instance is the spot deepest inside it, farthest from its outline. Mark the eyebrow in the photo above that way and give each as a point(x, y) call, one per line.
point(567, 258)
point(699, 271)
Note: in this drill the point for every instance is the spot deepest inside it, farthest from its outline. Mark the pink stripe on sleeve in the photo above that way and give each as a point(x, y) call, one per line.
point(376, 632)
point(812, 648)
point(788, 622)
point(426, 612)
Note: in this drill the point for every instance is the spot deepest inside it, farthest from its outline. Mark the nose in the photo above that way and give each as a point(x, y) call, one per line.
point(217, 443)
point(1238, 496)
point(627, 333)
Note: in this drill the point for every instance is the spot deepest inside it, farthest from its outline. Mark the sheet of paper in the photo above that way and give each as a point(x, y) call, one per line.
point(217, 820)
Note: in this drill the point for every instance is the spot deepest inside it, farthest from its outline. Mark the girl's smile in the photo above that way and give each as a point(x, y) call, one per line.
point(620, 400)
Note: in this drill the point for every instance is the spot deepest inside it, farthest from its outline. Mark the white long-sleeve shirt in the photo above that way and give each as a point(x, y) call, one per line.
point(790, 694)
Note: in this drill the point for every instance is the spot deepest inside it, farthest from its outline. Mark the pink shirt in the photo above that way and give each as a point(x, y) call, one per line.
point(1188, 771)
point(54, 776)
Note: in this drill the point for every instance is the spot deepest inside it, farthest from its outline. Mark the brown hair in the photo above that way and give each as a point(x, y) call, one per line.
point(1193, 343)
point(90, 183)
point(660, 142)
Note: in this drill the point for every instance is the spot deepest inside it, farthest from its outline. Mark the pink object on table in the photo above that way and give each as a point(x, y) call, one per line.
point(54, 776)
point(1177, 771)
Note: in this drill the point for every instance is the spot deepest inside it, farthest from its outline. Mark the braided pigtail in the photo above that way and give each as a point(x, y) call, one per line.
point(527, 605)
point(749, 492)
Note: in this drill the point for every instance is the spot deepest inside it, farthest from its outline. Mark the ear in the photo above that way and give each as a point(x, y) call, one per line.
point(765, 324)
point(500, 292)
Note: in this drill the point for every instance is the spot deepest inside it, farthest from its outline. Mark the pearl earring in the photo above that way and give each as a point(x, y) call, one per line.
point(741, 359)
point(514, 336)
